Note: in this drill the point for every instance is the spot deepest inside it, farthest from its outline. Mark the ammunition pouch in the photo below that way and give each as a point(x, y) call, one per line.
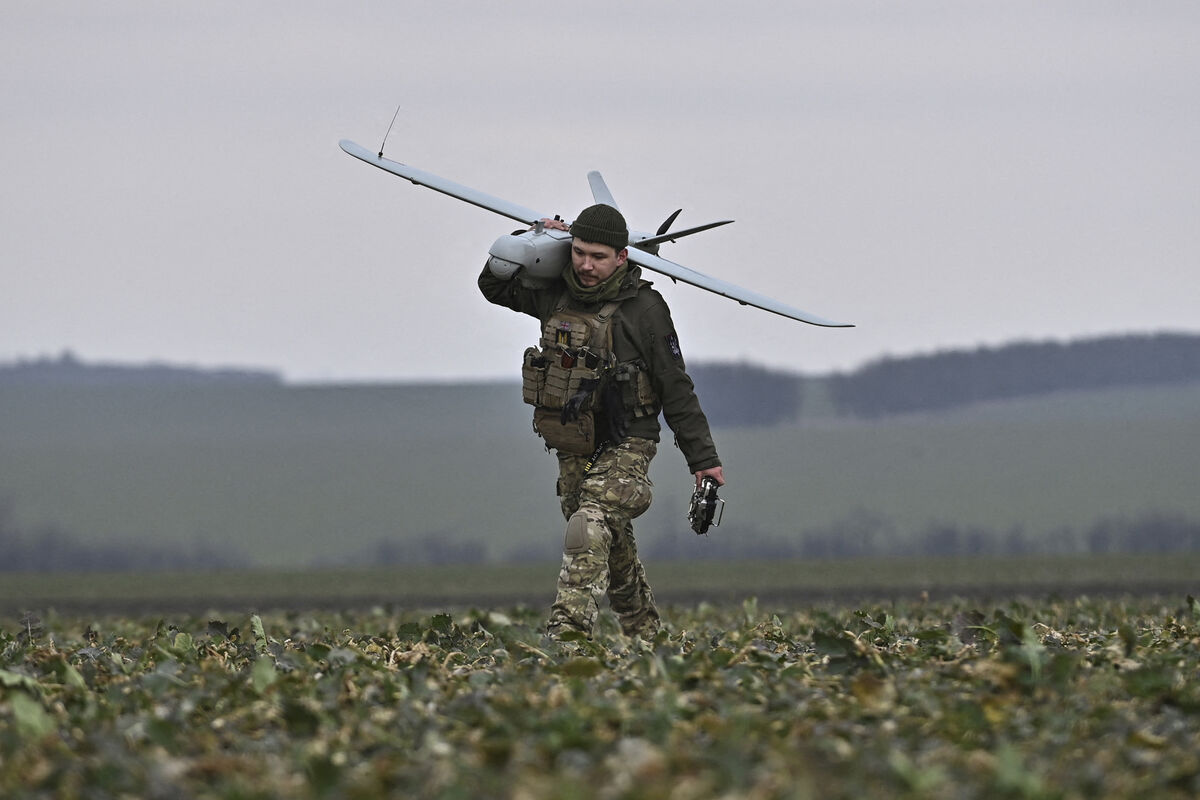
point(547, 381)
point(533, 376)
point(565, 385)
point(636, 392)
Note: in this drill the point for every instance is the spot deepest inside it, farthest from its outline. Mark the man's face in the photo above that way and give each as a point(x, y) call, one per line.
point(594, 263)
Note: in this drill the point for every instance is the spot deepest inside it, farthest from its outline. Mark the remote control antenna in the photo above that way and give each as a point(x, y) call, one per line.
point(389, 130)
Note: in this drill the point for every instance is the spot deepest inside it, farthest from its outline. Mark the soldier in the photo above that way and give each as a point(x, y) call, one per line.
point(607, 364)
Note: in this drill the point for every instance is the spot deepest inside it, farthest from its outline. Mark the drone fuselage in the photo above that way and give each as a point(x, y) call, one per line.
point(543, 254)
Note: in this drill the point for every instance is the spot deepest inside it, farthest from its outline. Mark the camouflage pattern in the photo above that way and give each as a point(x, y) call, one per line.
point(599, 555)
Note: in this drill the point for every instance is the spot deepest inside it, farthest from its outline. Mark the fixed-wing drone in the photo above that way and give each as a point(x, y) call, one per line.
point(544, 252)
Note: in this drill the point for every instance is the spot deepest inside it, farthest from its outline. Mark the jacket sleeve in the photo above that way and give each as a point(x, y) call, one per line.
point(680, 405)
point(511, 292)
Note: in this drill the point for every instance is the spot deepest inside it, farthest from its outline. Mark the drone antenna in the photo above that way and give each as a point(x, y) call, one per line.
point(389, 130)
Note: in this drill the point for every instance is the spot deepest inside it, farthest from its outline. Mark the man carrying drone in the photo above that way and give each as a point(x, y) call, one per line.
point(607, 364)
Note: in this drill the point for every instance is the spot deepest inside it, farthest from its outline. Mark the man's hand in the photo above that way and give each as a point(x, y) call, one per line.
point(555, 224)
point(716, 473)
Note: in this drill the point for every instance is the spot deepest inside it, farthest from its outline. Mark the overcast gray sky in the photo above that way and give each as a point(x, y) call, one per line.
point(942, 174)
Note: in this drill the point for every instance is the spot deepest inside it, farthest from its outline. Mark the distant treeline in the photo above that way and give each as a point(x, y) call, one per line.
point(48, 549)
point(948, 379)
point(69, 370)
point(872, 535)
point(746, 394)
point(858, 536)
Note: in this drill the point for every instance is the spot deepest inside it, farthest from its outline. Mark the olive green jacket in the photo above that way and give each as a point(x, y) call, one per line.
point(642, 332)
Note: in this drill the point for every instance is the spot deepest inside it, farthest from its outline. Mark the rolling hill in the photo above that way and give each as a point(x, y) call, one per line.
point(104, 474)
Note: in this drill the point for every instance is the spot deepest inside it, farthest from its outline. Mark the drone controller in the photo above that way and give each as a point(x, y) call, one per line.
point(706, 508)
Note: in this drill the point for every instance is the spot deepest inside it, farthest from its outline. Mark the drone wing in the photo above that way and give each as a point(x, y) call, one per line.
point(639, 253)
point(602, 195)
point(440, 184)
point(726, 289)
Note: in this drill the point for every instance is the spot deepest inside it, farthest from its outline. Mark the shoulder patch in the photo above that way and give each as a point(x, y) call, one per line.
point(673, 344)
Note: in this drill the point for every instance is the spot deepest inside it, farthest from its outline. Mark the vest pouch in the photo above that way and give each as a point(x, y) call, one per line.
point(563, 383)
point(578, 436)
point(533, 376)
point(637, 394)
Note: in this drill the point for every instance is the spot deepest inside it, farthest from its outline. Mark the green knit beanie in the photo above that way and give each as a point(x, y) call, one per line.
point(601, 224)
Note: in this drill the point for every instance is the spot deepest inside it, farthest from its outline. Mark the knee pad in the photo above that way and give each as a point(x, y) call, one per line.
point(577, 540)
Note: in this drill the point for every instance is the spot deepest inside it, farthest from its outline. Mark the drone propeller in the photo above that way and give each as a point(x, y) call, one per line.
point(661, 236)
point(666, 225)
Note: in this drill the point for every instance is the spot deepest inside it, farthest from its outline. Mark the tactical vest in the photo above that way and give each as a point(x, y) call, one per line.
point(573, 369)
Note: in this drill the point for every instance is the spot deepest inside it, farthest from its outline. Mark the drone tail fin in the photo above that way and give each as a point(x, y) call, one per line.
point(600, 192)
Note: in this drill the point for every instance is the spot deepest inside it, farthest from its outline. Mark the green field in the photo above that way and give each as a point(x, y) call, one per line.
point(288, 477)
point(1078, 697)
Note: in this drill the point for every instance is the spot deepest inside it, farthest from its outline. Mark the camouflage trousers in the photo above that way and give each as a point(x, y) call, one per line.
point(599, 554)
